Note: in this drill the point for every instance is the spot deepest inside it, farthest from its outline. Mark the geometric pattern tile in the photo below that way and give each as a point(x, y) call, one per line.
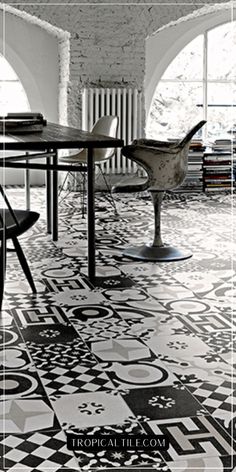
point(80, 378)
point(204, 464)
point(192, 437)
point(163, 403)
point(14, 358)
point(120, 281)
point(86, 315)
point(48, 333)
point(139, 374)
point(114, 328)
point(40, 449)
point(214, 322)
point(9, 337)
point(81, 410)
point(158, 324)
point(219, 400)
point(45, 314)
point(123, 459)
point(27, 414)
point(58, 285)
point(124, 350)
point(190, 358)
point(62, 355)
point(20, 384)
point(224, 343)
point(146, 344)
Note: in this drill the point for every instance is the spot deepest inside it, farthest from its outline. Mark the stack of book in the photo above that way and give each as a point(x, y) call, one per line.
point(226, 144)
point(20, 123)
point(217, 170)
point(193, 179)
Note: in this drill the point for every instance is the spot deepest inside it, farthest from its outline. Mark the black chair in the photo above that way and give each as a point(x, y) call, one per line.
point(13, 223)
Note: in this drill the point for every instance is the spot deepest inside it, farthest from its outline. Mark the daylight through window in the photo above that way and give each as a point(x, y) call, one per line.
point(12, 94)
point(199, 83)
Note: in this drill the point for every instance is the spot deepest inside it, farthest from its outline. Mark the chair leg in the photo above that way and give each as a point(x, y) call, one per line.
point(63, 184)
point(111, 198)
point(157, 251)
point(24, 264)
point(3, 260)
point(83, 190)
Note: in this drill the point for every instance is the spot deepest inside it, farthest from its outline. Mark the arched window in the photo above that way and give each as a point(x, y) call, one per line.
point(12, 94)
point(199, 83)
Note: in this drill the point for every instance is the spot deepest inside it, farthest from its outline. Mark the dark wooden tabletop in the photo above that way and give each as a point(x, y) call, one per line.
point(56, 136)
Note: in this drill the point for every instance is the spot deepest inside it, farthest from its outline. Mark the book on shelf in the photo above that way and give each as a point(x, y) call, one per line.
point(218, 181)
point(215, 154)
point(217, 163)
point(218, 189)
point(194, 168)
point(218, 176)
point(219, 168)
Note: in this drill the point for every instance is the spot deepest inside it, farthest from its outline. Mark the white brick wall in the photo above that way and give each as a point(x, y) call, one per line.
point(107, 43)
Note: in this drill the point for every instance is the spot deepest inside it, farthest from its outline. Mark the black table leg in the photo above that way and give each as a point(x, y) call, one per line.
point(27, 185)
point(90, 215)
point(55, 199)
point(49, 197)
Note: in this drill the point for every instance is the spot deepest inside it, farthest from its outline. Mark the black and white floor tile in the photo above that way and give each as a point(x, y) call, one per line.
point(147, 348)
point(40, 451)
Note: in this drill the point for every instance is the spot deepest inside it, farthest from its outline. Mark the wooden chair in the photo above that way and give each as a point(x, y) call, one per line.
point(166, 165)
point(13, 223)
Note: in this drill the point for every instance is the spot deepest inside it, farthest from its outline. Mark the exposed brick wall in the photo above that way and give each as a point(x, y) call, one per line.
point(107, 43)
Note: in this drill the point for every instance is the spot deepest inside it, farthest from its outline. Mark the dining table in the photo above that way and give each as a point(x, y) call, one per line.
point(44, 146)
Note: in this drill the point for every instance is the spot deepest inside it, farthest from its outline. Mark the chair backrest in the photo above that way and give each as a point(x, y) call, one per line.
point(107, 126)
point(166, 166)
point(9, 208)
point(191, 133)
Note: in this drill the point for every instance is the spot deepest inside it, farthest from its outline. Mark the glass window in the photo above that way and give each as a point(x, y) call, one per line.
point(12, 94)
point(173, 101)
point(221, 43)
point(206, 67)
point(188, 64)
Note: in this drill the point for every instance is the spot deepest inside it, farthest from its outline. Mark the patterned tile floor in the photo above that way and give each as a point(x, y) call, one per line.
point(149, 349)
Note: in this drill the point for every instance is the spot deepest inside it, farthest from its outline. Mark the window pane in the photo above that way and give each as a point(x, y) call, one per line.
point(174, 109)
point(221, 118)
point(12, 98)
point(189, 62)
point(221, 94)
point(219, 121)
point(221, 52)
point(6, 71)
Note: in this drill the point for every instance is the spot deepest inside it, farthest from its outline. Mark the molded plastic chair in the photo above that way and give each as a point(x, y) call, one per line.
point(13, 223)
point(106, 126)
point(166, 165)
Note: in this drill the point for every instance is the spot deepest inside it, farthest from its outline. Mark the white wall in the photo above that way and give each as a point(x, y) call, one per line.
point(33, 54)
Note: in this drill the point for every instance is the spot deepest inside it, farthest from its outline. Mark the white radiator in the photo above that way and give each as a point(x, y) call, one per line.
point(126, 103)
